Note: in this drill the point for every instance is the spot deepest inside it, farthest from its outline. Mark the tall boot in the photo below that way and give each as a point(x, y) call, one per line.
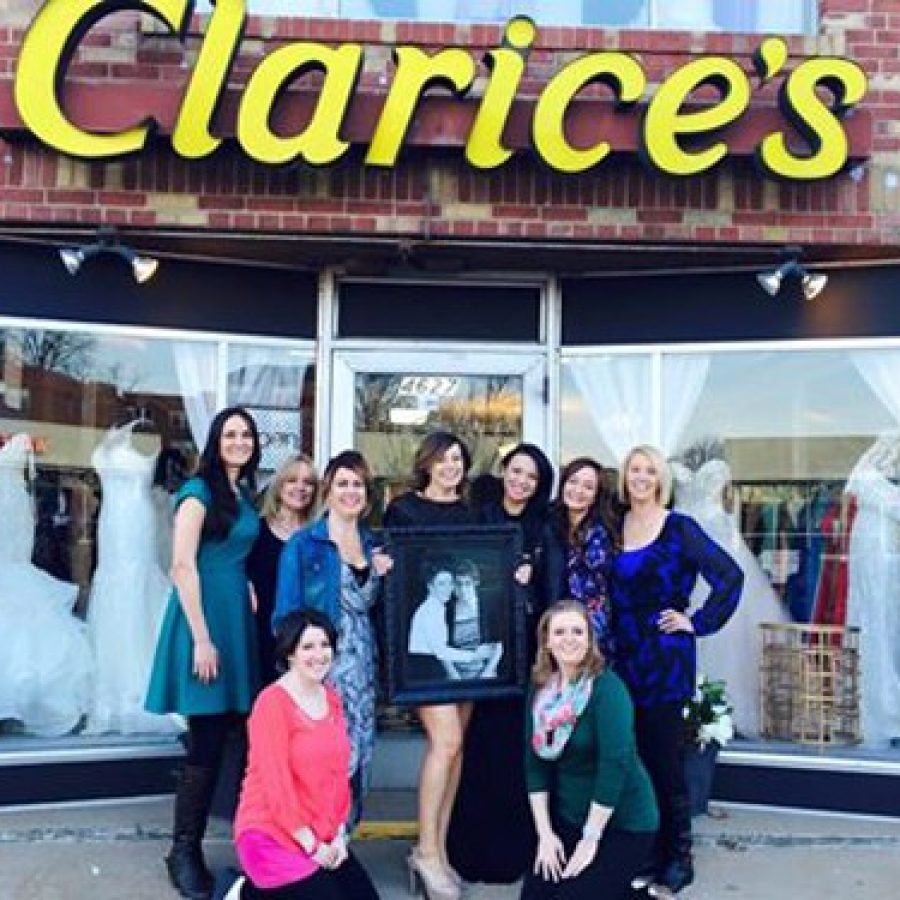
point(187, 869)
point(678, 868)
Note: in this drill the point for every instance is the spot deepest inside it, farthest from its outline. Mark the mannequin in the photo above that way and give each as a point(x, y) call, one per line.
point(733, 653)
point(129, 590)
point(872, 605)
point(45, 667)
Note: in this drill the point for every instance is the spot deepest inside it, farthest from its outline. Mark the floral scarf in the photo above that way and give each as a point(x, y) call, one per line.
point(555, 713)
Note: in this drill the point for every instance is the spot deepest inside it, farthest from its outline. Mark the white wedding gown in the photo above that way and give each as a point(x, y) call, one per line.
point(45, 663)
point(128, 592)
point(873, 603)
point(733, 653)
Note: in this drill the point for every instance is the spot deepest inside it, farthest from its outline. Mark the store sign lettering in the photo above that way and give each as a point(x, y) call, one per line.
point(676, 137)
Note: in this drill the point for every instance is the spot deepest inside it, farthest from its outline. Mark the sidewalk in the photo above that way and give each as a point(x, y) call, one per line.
point(113, 851)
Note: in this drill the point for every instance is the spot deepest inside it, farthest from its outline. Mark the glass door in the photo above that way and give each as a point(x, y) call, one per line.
point(384, 403)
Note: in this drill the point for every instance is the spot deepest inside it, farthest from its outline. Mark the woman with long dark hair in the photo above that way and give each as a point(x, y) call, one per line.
point(206, 666)
point(440, 468)
point(579, 541)
point(491, 836)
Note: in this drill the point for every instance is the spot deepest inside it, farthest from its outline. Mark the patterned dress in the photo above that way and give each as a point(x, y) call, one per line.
point(587, 576)
point(661, 668)
point(353, 671)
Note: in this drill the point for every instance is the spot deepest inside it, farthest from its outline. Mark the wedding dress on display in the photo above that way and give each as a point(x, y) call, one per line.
point(45, 665)
point(129, 590)
point(733, 653)
point(873, 604)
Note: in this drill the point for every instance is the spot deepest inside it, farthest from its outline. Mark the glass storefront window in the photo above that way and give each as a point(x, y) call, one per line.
point(760, 16)
point(277, 386)
point(790, 459)
point(394, 412)
point(98, 430)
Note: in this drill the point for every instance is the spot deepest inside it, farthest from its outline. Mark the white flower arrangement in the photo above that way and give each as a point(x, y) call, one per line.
point(707, 715)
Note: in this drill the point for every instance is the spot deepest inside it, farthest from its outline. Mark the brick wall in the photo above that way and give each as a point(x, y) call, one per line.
point(433, 192)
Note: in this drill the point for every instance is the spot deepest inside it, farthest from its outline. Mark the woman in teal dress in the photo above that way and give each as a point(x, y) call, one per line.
point(206, 666)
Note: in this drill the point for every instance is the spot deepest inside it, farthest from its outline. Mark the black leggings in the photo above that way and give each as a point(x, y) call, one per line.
point(660, 740)
point(349, 881)
point(620, 856)
point(207, 736)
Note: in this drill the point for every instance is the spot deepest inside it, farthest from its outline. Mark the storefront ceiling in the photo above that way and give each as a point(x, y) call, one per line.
point(373, 256)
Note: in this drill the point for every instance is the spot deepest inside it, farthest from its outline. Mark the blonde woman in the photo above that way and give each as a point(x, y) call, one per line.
point(287, 506)
point(591, 799)
point(655, 639)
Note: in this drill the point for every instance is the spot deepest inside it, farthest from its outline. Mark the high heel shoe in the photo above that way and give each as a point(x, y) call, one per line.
point(431, 878)
point(455, 877)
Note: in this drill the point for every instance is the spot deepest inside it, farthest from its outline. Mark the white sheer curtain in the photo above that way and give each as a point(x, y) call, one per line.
point(195, 366)
point(683, 379)
point(880, 369)
point(617, 392)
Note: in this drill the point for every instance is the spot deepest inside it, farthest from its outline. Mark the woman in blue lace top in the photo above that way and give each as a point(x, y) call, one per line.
point(651, 580)
point(578, 545)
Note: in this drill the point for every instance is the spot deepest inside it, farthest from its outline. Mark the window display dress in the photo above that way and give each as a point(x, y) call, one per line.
point(45, 666)
point(874, 576)
point(733, 653)
point(128, 591)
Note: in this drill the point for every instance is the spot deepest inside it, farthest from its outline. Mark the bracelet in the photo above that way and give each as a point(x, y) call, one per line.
point(591, 832)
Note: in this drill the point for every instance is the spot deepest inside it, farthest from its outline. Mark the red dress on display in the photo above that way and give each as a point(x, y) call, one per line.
point(831, 594)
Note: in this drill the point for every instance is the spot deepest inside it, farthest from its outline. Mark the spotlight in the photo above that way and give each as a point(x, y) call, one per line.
point(72, 258)
point(770, 282)
point(811, 283)
point(143, 268)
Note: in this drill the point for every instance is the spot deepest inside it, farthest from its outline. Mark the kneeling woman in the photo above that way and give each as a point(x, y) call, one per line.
point(591, 799)
point(290, 830)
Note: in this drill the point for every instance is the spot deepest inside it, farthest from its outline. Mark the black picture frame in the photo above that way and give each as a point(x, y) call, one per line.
point(425, 627)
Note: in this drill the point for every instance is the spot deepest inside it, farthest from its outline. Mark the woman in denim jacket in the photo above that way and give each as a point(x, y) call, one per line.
point(334, 566)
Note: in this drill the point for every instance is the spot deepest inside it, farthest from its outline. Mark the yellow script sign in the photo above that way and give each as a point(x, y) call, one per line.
point(677, 136)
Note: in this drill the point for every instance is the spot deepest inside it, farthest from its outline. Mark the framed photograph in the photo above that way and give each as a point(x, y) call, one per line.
point(454, 614)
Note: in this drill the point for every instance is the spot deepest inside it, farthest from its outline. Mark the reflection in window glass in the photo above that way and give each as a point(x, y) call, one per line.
point(394, 412)
point(97, 432)
point(277, 386)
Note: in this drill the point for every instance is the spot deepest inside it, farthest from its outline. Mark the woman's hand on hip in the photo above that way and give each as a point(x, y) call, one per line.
point(550, 858)
point(206, 661)
point(671, 621)
point(582, 856)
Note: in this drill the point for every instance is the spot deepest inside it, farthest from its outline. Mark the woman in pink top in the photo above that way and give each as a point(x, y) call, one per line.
point(290, 830)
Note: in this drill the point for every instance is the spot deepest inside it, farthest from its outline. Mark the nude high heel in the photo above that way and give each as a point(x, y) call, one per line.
point(430, 878)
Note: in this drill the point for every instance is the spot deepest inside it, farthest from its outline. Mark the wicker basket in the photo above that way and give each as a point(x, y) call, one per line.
point(809, 684)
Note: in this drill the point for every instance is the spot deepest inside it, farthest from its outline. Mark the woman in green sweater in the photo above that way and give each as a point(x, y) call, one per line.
point(592, 801)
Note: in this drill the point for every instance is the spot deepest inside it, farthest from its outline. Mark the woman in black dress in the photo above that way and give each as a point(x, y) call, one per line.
point(440, 468)
point(287, 506)
point(491, 836)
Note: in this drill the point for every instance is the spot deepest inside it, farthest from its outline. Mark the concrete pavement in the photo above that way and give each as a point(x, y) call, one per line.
point(113, 850)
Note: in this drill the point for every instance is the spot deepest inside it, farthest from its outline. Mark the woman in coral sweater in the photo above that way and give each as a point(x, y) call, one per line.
point(290, 831)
